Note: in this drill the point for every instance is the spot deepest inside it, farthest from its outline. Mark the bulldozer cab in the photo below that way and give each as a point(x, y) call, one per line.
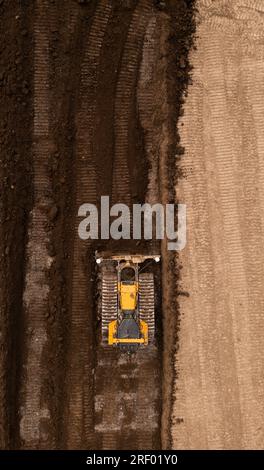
point(128, 331)
point(128, 287)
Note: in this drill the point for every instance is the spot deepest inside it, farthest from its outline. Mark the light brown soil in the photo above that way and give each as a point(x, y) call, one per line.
point(219, 390)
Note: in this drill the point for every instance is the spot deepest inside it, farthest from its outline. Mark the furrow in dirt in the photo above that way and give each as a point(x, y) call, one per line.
point(146, 104)
point(120, 392)
point(125, 96)
point(35, 412)
point(15, 202)
point(80, 373)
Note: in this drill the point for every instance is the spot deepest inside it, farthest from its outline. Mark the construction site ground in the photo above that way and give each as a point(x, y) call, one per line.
point(100, 98)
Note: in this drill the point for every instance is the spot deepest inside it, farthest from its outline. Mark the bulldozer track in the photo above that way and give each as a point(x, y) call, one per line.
point(80, 414)
point(125, 94)
point(146, 104)
point(37, 288)
point(109, 303)
point(237, 250)
point(147, 302)
point(148, 375)
point(119, 395)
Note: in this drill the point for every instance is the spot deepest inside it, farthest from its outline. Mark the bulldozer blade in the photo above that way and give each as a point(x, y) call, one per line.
point(134, 258)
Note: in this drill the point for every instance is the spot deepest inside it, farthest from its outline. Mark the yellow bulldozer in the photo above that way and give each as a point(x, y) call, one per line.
point(127, 307)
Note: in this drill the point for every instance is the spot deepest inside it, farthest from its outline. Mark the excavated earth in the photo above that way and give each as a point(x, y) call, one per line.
point(94, 102)
point(91, 93)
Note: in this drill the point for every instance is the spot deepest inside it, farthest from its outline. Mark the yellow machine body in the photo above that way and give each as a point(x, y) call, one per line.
point(128, 296)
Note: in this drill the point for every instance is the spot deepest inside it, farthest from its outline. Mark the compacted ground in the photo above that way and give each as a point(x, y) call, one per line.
point(219, 393)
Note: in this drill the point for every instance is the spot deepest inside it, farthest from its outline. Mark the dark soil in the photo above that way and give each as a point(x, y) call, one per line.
point(67, 50)
point(16, 88)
